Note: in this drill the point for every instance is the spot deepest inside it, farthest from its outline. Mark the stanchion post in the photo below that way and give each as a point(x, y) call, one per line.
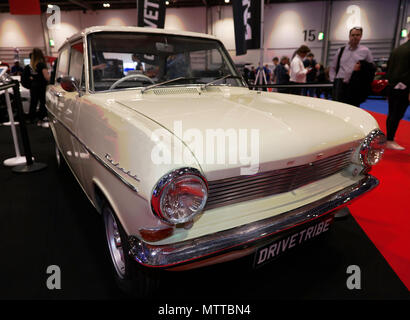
point(18, 159)
point(30, 166)
point(23, 129)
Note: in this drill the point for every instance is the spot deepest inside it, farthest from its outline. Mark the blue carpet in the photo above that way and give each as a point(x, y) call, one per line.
point(381, 106)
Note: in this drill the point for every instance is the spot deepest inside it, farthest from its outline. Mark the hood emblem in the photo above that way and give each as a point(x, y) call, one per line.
point(118, 167)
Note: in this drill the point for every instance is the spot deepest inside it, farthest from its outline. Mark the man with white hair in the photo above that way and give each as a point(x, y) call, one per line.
point(398, 74)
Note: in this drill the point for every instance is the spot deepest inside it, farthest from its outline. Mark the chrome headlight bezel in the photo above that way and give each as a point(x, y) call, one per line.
point(162, 186)
point(374, 141)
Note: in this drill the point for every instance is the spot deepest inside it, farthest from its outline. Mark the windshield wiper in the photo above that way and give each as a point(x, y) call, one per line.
point(220, 79)
point(164, 82)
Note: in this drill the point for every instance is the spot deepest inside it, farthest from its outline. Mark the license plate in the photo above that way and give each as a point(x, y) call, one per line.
point(298, 237)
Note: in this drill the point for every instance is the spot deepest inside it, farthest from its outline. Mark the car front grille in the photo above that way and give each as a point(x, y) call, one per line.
point(242, 188)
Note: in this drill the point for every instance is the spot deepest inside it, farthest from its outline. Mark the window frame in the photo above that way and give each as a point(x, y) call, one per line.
point(68, 48)
point(82, 81)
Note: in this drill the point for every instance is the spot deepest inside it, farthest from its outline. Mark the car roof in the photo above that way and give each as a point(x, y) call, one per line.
point(96, 29)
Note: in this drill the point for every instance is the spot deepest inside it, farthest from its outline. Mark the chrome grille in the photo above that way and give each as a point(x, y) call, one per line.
point(243, 188)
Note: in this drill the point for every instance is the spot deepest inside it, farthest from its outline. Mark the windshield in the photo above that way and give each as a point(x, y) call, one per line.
point(129, 60)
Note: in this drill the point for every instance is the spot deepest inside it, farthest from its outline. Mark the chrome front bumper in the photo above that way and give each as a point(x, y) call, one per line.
point(247, 237)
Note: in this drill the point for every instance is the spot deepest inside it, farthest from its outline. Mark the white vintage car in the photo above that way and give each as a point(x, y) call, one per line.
point(189, 167)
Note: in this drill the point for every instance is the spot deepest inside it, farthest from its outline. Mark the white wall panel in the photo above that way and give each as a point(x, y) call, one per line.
point(284, 25)
point(222, 25)
point(70, 24)
point(20, 31)
point(377, 17)
point(186, 19)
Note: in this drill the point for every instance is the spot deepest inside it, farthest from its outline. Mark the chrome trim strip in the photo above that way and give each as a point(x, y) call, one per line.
point(117, 165)
point(95, 156)
point(242, 188)
point(246, 236)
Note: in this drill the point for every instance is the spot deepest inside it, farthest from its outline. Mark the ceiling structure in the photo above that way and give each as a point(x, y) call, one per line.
point(67, 5)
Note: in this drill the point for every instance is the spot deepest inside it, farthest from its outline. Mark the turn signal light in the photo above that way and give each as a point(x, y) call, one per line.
point(153, 235)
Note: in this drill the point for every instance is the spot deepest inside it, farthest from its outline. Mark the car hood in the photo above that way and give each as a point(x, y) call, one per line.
point(283, 130)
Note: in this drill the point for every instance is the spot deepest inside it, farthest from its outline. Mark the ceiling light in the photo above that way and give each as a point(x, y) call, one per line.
point(167, 3)
point(50, 6)
point(106, 5)
point(227, 1)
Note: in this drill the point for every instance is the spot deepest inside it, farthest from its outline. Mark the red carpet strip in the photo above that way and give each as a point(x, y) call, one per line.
point(384, 214)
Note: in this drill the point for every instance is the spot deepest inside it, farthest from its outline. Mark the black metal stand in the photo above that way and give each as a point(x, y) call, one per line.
point(30, 166)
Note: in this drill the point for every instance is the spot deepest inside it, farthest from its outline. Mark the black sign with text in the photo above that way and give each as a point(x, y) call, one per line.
point(151, 13)
point(247, 19)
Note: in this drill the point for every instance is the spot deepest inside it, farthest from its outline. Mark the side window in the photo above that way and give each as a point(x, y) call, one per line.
point(77, 63)
point(62, 69)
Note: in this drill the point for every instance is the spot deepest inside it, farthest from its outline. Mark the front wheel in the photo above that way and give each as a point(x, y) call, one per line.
point(131, 277)
point(60, 161)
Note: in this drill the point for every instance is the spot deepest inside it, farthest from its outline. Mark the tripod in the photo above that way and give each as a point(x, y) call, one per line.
point(261, 78)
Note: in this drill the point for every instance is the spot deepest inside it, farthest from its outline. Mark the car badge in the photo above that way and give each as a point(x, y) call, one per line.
point(118, 167)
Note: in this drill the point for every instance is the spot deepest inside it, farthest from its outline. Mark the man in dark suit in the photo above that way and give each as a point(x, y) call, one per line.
point(398, 74)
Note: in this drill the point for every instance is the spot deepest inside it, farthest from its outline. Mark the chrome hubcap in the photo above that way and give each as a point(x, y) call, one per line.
point(58, 156)
point(114, 244)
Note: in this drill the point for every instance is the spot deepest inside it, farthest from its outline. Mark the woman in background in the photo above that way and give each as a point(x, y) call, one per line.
point(297, 69)
point(41, 77)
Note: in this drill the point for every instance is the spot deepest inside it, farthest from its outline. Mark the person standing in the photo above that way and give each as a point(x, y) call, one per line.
point(16, 69)
point(282, 74)
point(138, 66)
point(398, 75)
point(346, 61)
point(311, 76)
point(297, 69)
point(41, 77)
point(275, 62)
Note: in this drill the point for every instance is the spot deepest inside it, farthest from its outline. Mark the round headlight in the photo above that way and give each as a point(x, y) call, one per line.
point(372, 148)
point(179, 196)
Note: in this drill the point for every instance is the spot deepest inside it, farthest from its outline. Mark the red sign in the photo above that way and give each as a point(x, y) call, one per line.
point(24, 6)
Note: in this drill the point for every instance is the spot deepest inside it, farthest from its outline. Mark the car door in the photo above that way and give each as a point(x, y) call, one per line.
point(55, 100)
point(72, 101)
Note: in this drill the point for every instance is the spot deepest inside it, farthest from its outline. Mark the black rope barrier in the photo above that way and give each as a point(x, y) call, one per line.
point(294, 85)
point(335, 86)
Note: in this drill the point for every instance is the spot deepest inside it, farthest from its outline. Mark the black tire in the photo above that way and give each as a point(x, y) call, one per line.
point(130, 276)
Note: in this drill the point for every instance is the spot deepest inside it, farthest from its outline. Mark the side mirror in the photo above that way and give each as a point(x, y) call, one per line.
point(69, 84)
